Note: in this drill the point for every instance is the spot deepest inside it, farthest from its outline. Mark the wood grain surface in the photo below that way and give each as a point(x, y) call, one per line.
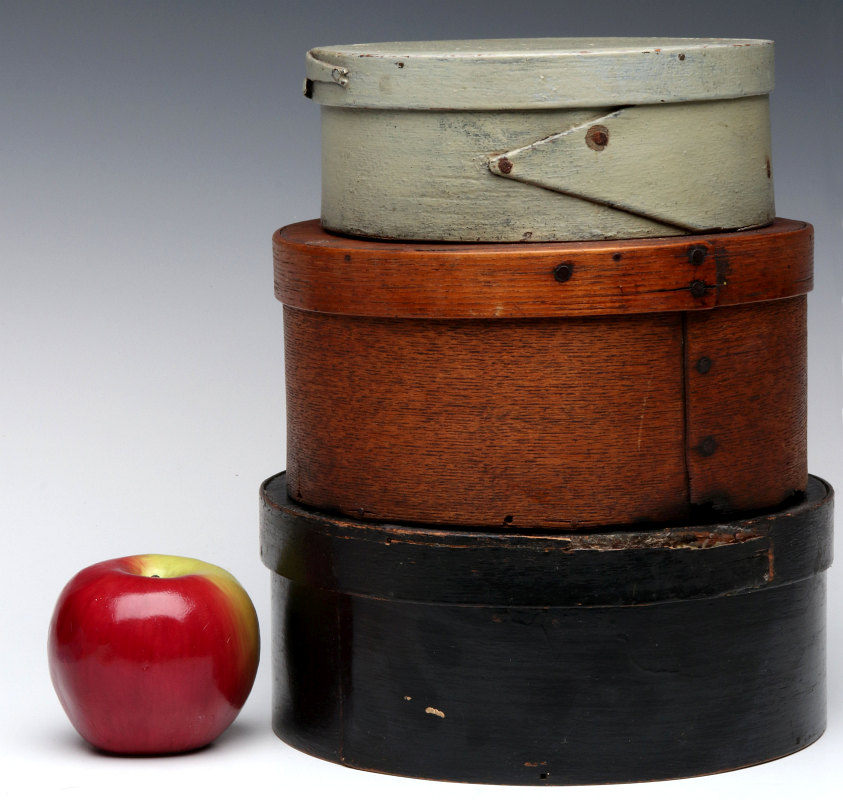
point(746, 403)
point(319, 271)
point(560, 422)
point(564, 419)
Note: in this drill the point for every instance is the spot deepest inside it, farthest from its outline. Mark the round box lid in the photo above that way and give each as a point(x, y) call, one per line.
point(321, 272)
point(488, 74)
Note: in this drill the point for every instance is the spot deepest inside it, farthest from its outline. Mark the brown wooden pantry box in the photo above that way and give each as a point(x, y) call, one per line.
point(562, 385)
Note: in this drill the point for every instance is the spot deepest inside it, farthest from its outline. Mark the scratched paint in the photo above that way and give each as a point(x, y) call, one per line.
point(544, 140)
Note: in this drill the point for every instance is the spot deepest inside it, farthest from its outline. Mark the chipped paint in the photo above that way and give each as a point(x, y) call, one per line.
point(460, 112)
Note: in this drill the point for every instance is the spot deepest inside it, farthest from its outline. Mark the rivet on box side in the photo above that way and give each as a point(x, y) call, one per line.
point(563, 272)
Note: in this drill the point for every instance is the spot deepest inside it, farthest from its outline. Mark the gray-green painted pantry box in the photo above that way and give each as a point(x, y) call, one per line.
point(544, 139)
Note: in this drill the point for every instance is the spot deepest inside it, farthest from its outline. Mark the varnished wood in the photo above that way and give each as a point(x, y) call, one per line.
point(568, 422)
point(549, 659)
point(319, 271)
point(485, 422)
point(511, 417)
point(746, 403)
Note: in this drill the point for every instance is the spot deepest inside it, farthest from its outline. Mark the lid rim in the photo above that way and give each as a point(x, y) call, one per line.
point(629, 45)
point(538, 73)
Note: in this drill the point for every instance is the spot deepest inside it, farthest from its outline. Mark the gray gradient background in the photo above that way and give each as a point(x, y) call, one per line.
point(147, 152)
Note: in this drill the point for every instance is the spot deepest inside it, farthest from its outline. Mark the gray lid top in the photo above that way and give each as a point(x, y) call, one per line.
point(487, 74)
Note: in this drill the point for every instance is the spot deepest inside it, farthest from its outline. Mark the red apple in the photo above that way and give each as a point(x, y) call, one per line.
point(153, 654)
